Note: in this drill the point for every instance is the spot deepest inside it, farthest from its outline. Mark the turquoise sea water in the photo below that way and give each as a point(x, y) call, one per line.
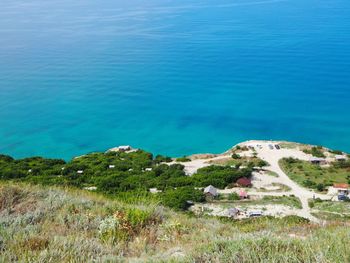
point(172, 76)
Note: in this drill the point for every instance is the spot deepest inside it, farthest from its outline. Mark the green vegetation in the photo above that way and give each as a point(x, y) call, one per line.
point(236, 156)
point(290, 201)
point(181, 198)
point(123, 175)
point(183, 159)
point(328, 210)
point(161, 158)
point(336, 152)
point(329, 206)
point(239, 148)
point(49, 224)
point(45, 216)
point(219, 176)
point(314, 176)
point(233, 196)
point(316, 151)
point(242, 161)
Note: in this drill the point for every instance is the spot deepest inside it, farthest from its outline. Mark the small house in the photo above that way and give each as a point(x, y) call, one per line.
point(244, 182)
point(243, 194)
point(111, 166)
point(342, 189)
point(210, 191)
point(80, 172)
point(340, 158)
point(318, 160)
point(124, 148)
point(232, 212)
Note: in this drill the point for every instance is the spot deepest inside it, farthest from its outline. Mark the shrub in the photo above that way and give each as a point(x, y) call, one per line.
point(311, 204)
point(316, 151)
point(36, 243)
point(161, 159)
point(219, 176)
point(109, 229)
point(181, 198)
point(308, 183)
point(233, 196)
point(320, 187)
point(236, 156)
point(183, 159)
point(262, 163)
point(336, 152)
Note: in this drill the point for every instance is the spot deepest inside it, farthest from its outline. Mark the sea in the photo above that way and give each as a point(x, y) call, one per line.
point(174, 77)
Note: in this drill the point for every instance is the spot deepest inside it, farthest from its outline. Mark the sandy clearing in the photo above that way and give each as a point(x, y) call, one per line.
point(261, 180)
point(276, 210)
point(272, 156)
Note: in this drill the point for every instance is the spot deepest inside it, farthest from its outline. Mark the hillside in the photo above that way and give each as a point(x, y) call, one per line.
point(260, 201)
point(48, 224)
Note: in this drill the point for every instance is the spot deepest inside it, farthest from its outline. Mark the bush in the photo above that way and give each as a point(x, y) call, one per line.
point(233, 196)
point(183, 159)
point(235, 156)
point(219, 176)
point(308, 183)
point(336, 152)
point(320, 187)
point(262, 163)
point(316, 151)
point(181, 198)
point(162, 159)
point(291, 160)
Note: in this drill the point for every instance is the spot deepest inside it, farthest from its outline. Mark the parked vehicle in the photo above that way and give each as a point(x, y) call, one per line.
point(271, 146)
point(277, 146)
point(343, 197)
point(255, 214)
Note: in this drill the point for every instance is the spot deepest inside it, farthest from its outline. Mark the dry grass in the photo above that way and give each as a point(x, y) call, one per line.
point(64, 225)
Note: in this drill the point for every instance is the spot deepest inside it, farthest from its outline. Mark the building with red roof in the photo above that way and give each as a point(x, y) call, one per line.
point(244, 182)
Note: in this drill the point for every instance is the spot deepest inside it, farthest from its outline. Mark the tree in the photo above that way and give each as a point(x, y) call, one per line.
point(320, 187)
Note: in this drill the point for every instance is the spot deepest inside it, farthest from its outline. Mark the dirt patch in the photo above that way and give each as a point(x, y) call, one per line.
point(202, 156)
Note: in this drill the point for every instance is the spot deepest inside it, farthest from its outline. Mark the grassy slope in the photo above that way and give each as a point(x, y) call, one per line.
point(302, 170)
point(62, 225)
point(328, 210)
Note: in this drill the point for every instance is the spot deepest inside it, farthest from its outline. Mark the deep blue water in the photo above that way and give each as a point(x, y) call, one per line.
point(172, 76)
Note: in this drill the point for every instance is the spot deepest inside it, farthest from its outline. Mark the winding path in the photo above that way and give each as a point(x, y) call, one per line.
point(273, 157)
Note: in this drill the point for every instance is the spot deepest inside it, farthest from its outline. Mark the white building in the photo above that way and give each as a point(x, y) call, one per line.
point(340, 158)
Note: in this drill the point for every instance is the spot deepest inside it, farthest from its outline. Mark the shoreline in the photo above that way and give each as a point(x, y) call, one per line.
point(54, 156)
